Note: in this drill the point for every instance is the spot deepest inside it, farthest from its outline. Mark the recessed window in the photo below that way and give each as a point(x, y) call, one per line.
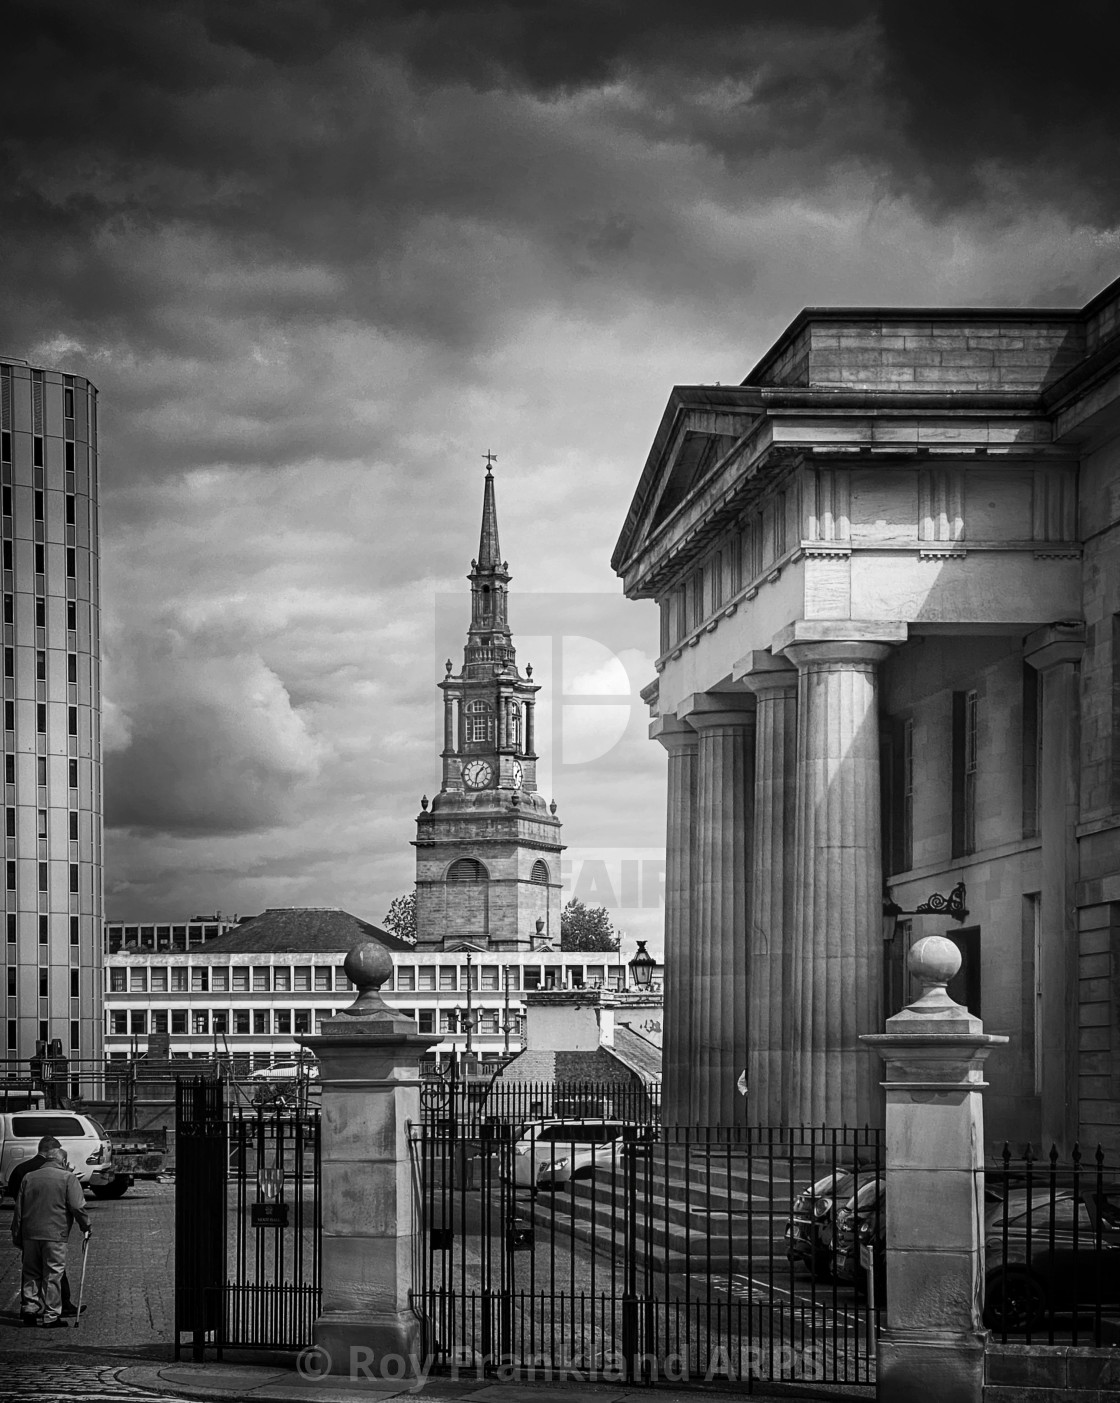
point(75, 984)
point(159, 979)
point(241, 1020)
point(73, 774)
point(73, 826)
point(281, 980)
point(11, 981)
point(41, 719)
point(42, 876)
point(42, 823)
point(40, 665)
point(260, 979)
point(240, 979)
point(6, 446)
point(200, 979)
point(38, 506)
point(10, 822)
point(69, 457)
point(40, 611)
point(260, 1021)
point(7, 501)
point(72, 720)
point(9, 609)
point(179, 979)
point(44, 984)
point(73, 876)
point(138, 980)
point(301, 977)
point(71, 561)
point(74, 930)
point(118, 1024)
point(159, 1021)
point(178, 1020)
point(219, 980)
point(11, 914)
point(117, 981)
point(323, 979)
point(71, 667)
point(8, 555)
point(283, 1017)
point(37, 450)
point(200, 1021)
point(71, 615)
point(9, 662)
point(69, 509)
point(68, 401)
point(40, 560)
point(44, 930)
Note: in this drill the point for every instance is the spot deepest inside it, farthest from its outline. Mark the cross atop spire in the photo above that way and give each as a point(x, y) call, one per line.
point(491, 459)
point(489, 552)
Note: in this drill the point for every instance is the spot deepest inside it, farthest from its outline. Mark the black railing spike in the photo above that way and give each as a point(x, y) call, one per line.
point(1054, 1157)
point(1100, 1156)
point(1006, 1156)
point(1028, 1153)
point(1076, 1155)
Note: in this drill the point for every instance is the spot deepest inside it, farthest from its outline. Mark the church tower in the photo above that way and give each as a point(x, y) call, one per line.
point(488, 850)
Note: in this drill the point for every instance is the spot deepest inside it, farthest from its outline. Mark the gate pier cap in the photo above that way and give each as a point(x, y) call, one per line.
point(369, 1073)
point(932, 1346)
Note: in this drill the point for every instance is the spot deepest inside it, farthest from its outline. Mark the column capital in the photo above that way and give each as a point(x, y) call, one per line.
point(1055, 644)
point(702, 710)
point(765, 675)
point(855, 640)
point(674, 735)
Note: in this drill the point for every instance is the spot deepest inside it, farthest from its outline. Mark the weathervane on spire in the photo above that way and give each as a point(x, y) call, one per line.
point(491, 459)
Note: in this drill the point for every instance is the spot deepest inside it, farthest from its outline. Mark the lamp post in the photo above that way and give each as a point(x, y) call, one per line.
point(507, 1026)
point(642, 966)
point(468, 1022)
point(935, 905)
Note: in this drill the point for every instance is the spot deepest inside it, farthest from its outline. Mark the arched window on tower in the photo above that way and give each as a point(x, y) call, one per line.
point(469, 869)
point(479, 722)
point(540, 874)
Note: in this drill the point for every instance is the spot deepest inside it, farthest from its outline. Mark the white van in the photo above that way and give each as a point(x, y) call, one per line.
point(88, 1147)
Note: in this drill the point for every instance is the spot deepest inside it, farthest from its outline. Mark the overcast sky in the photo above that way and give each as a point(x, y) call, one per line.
point(319, 257)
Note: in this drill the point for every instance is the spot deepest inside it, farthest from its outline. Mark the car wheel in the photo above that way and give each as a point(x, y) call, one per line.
point(1014, 1302)
point(117, 1189)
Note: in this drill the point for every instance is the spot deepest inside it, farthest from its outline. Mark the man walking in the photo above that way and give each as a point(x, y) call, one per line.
point(29, 1308)
point(48, 1202)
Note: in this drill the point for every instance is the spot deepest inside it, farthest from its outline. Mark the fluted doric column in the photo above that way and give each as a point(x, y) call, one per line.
point(770, 937)
point(838, 880)
point(678, 1057)
point(721, 887)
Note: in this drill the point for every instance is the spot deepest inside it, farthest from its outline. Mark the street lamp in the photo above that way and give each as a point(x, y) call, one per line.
point(642, 966)
point(468, 1022)
point(935, 905)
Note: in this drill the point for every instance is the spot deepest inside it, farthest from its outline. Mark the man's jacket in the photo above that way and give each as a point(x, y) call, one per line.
point(25, 1166)
point(49, 1201)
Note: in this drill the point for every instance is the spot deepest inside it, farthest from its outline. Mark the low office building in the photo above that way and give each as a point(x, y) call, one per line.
point(250, 991)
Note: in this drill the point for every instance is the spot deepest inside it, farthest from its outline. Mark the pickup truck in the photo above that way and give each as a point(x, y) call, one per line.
point(137, 1154)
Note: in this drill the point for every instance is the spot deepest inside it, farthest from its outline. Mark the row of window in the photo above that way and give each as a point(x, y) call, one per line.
point(10, 823)
point(44, 929)
point(41, 558)
point(40, 498)
point(41, 622)
point(75, 1038)
point(44, 983)
point(221, 979)
point(494, 977)
point(287, 1022)
point(40, 663)
point(40, 714)
point(41, 767)
point(44, 884)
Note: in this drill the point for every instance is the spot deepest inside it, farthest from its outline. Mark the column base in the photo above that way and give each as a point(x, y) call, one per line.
point(371, 1345)
point(940, 1369)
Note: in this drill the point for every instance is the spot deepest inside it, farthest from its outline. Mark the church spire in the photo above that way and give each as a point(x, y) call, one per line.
point(489, 552)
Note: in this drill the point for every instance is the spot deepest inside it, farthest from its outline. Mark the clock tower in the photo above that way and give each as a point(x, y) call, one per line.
point(488, 850)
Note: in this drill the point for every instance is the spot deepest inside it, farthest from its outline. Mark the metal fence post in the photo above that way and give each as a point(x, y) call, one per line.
point(932, 1346)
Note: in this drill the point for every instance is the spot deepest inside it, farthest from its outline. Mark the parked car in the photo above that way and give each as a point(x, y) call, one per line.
point(1039, 1260)
point(810, 1232)
point(87, 1144)
point(861, 1223)
point(552, 1152)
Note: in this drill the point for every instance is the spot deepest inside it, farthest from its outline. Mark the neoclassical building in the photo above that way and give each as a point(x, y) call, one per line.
point(888, 567)
point(488, 849)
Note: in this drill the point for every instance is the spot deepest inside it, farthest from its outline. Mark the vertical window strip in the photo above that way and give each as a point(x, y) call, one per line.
point(908, 793)
point(970, 766)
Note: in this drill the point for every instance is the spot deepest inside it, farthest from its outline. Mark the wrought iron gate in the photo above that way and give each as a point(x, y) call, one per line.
point(590, 1248)
point(248, 1226)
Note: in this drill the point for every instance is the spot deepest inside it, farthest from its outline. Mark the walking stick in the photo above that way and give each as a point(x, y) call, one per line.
point(82, 1283)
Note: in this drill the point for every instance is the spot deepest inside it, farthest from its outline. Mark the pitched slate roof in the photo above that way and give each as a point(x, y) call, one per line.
point(637, 1053)
point(301, 930)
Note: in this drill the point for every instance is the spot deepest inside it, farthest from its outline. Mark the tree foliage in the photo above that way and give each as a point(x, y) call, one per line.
point(400, 918)
point(586, 928)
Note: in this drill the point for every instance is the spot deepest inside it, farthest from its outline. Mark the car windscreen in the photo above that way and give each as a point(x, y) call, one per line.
point(35, 1127)
point(580, 1133)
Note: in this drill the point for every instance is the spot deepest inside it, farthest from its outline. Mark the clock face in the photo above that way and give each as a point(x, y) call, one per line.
point(477, 774)
point(517, 774)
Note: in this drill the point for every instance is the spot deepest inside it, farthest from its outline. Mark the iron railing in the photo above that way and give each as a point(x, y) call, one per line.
point(248, 1223)
point(621, 1251)
point(467, 1104)
point(1052, 1248)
